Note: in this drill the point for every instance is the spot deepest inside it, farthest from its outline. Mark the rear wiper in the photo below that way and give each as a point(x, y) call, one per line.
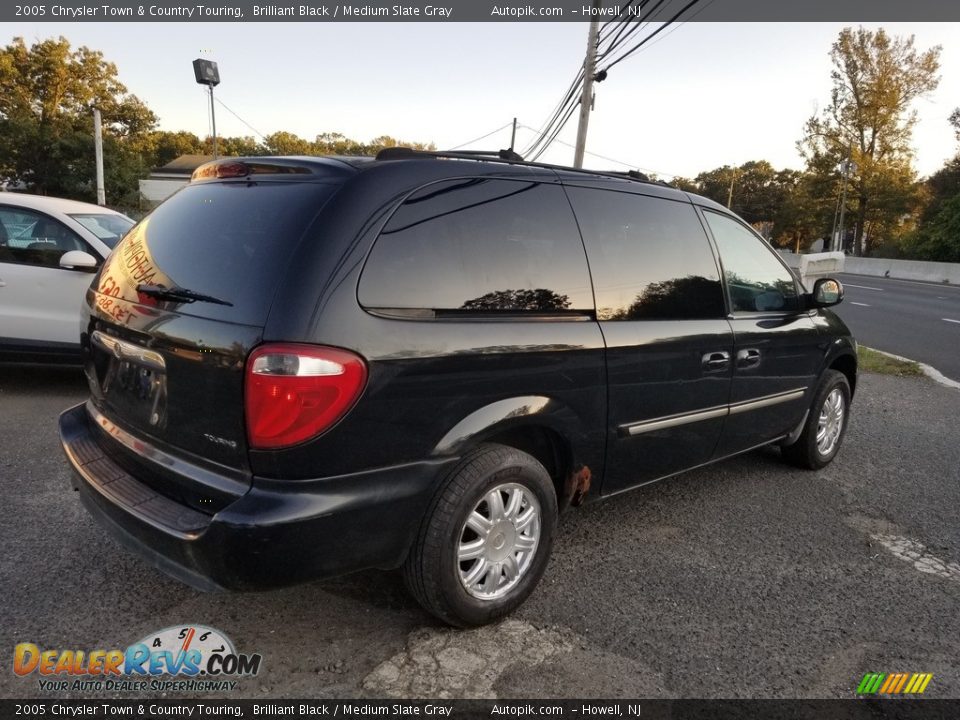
point(179, 294)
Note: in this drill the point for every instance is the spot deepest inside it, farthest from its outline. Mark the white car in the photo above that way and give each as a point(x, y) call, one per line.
point(49, 249)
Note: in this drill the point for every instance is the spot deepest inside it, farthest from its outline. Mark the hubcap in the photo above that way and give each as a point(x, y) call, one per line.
point(498, 541)
point(830, 424)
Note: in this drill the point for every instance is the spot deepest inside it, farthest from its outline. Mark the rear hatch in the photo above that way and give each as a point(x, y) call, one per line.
point(174, 313)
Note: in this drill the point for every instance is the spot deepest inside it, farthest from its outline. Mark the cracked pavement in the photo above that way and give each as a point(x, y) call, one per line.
point(744, 579)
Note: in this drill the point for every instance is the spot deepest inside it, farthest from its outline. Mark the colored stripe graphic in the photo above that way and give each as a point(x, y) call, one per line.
point(891, 679)
point(914, 682)
point(869, 683)
point(894, 683)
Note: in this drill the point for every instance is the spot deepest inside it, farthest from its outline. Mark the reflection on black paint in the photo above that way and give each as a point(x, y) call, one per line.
point(540, 300)
point(756, 279)
point(474, 245)
point(650, 257)
point(689, 297)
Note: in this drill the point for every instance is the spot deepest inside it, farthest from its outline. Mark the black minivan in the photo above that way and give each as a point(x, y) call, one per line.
point(301, 367)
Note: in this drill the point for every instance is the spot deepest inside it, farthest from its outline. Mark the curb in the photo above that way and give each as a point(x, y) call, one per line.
point(928, 370)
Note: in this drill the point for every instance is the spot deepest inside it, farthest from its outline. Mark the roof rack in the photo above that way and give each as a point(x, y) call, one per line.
point(507, 156)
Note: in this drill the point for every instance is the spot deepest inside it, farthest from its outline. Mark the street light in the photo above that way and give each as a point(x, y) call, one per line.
point(206, 73)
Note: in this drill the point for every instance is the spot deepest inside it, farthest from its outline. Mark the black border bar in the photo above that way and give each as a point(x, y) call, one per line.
point(849, 11)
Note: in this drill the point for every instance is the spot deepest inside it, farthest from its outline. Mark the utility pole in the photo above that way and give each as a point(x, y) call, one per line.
point(213, 122)
point(98, 154)
point(733, 176)
point(586, 96)
point(847, 166)
point(513, 135)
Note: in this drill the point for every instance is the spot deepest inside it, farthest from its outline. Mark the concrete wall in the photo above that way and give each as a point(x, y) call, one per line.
point(936, 272)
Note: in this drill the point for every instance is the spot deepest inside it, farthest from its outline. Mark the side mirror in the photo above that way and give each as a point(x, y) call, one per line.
point(78, 260)
point(826, 292)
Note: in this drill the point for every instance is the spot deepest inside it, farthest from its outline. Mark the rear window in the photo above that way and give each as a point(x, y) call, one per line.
point(228, 240)
point(480, 246)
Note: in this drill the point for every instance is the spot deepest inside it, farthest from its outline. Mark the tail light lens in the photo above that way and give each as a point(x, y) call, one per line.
point(294, 392)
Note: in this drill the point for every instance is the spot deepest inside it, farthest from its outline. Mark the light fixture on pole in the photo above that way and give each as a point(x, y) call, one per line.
point(206, 73)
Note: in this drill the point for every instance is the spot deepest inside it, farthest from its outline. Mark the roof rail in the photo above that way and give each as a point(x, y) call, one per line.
point(507, 156)
point(400, 153)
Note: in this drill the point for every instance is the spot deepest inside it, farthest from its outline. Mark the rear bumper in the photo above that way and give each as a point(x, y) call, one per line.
point(278, 533)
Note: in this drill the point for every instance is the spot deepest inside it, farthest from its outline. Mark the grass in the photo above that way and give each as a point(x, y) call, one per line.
point(875, 362)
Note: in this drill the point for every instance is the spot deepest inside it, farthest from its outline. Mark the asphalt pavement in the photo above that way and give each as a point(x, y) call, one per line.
point(745, 579)
point(917, 320)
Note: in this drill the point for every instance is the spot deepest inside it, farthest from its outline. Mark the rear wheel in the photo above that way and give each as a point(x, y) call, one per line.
point(825, 426)
point(486, 539)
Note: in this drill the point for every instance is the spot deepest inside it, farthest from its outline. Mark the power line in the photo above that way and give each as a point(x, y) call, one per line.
point(652, 35)
point(610, 159)
point(262, 137)
point(603, 34)
point(483, 137)
point(568, 103)
point(560, 108)
point(677, 26)
point(625, 22)
point(556, 132)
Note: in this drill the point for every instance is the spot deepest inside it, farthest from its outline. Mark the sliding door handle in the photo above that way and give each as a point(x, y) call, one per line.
point(748, 358)
point(713, 361)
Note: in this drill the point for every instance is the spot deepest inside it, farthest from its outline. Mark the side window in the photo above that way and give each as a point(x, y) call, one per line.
point(31, 238)
point(650, 257)
point(480, 246)
point(756, 280)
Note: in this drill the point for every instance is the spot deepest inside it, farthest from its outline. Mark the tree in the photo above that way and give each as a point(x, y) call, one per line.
point(799, 219)
point(163, 146)
point(287, 143)
point(869, 118)
point(235, 146)
point(755, 190)
point(47, 94)
point(938, 236)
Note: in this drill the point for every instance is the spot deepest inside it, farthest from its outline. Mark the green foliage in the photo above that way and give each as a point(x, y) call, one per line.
point(870, 118)
point(939, 237)
point(47, 96)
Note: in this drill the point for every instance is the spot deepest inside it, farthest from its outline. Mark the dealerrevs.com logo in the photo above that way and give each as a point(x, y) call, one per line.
point(185, 658)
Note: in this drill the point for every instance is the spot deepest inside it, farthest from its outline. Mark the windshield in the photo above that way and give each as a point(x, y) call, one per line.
point(108, 228)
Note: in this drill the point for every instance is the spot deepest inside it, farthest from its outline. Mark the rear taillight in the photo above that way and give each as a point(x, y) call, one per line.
point(294, 392)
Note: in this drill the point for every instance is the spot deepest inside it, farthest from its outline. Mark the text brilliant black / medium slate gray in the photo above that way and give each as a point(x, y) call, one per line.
point(420, 361)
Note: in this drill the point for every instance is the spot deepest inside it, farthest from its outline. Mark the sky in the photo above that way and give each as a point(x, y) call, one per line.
point(702, 96)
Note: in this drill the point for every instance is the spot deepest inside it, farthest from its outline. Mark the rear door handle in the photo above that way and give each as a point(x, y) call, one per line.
point(748, 358)
point(714, 361)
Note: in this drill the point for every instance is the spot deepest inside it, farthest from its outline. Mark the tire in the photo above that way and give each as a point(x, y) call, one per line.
point(832, 396)
point(477, 590)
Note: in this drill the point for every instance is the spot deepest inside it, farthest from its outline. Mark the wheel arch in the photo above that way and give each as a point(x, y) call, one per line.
point(537, 425)
point(847, 364)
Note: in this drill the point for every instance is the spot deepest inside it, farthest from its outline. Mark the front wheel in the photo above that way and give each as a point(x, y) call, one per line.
point(825, 426)
point(486, 539)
